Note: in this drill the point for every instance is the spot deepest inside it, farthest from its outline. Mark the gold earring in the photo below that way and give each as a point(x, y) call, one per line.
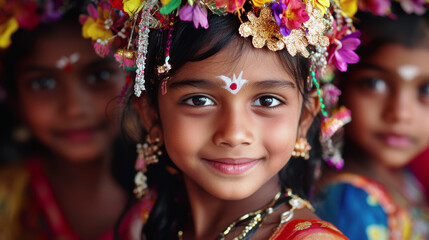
point(301, 149)
point(148, 153)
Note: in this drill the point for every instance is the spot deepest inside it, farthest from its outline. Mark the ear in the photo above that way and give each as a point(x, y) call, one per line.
point(311, 108)
point(148, 116)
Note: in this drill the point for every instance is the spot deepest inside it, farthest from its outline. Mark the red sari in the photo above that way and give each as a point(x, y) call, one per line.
point(307, 229)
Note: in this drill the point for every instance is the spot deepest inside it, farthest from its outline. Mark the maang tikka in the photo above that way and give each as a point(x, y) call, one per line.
point(148, 153)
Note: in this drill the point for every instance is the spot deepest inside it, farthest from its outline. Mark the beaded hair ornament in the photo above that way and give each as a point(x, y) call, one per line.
point(320, 30)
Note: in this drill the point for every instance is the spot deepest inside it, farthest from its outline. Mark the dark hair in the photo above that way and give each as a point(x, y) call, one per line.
point(188, 45)
point(409, 30)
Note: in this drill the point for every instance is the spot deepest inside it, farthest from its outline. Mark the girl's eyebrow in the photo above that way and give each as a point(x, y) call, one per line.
point(200, 83)
point(196, 83)
point(274, 84)
point(373, 67)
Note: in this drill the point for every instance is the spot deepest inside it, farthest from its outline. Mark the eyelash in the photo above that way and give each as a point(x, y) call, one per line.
point(190, 101)
point(278, 103)
point(186, 101)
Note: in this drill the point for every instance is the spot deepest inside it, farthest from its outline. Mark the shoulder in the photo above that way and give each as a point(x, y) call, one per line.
point(136, 216)
point(350, 196)
point(347, 190)
point(307, 229)
point(14, 183)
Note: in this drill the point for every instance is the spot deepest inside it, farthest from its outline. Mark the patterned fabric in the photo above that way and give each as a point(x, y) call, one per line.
point(363, 209)
point(307, 229)
point(28, 209)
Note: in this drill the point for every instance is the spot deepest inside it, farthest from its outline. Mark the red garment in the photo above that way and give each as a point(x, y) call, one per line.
point(420, 166)
point(30, 210)
point(308, 229)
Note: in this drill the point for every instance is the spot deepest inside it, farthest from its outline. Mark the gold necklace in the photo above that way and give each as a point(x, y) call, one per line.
point(257, 217)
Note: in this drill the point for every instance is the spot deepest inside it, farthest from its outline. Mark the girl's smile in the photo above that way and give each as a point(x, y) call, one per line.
point(232, 166)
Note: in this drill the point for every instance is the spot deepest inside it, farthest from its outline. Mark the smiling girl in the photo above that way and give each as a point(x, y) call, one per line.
point(70, 185)
point(224, 115)
point(376, 196)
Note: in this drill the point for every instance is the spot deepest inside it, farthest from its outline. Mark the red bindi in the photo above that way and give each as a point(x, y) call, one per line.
point(233, 86)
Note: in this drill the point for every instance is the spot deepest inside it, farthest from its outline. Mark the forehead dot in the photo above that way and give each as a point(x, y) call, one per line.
point(233, 86)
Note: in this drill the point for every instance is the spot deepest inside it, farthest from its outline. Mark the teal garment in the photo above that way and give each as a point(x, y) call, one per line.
point(353, 211)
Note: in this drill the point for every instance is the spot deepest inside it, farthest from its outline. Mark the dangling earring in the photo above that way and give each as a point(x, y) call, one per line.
point(21, 134)
point(148, 153)
point(301, 149)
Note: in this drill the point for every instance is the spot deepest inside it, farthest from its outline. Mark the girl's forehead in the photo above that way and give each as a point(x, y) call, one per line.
point(257, 63)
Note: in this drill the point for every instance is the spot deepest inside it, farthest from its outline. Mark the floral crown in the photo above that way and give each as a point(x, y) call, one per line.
point(28, 14)
point(320, 30)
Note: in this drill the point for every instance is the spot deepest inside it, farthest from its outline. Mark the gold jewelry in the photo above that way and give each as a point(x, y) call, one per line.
point(296, 203)
point(301, 149)
point(147, 154)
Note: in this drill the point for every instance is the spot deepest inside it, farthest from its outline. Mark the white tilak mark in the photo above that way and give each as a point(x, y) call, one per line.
point(234, 85)
point(64, 61)
point(408, 72)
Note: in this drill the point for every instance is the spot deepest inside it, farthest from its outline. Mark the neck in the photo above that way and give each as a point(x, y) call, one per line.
point(211, 215)
point(82, 175)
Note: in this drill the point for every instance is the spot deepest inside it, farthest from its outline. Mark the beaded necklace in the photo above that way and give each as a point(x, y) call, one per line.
point(257, 217)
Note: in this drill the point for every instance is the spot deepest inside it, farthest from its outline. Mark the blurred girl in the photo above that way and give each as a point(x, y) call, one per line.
point(62, 92)
point(376, 197)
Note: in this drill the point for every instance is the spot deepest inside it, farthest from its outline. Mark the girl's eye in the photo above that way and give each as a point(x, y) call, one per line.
point(424, 90)
point(98, 76)
point(43, 83)
point(376, 84)
point(267, 101)
point(198, 101)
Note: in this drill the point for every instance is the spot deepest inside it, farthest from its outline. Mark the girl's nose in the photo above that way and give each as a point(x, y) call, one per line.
point(75, 102)
point(399, 107)
point(234, 128)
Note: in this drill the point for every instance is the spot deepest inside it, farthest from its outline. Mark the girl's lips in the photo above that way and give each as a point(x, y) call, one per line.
point(395, 140)
point(78, 135)
point(232, 166)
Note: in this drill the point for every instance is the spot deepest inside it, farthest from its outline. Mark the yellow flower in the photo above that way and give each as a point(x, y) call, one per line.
point(377, 232)
point(132, 6)
point(320, 4)
point(96, 30)
point(349, 7)
point(6, 31)
point(260, 3)
point(165, 2)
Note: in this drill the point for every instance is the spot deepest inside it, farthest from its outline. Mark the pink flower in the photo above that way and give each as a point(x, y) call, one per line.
point(231, 6)
point(196, 14)
point(342, 52)
point(414, 6)
point(376, 7)
point(295, 14)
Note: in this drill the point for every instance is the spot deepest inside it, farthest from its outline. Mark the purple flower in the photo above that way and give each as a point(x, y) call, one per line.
point(344, 53)
point(196, 14)
point(51, 14)
point(279, 9)
point(414, 6)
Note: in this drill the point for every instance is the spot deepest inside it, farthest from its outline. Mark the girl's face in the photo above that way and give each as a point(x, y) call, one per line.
point(230, 138)
point(64, 91)
point(389, 99)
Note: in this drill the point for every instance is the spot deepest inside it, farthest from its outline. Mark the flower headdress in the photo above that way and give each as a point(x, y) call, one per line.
point(28, 14)
point(320, 30)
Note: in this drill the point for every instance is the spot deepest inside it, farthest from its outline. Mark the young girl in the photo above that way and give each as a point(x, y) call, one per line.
point(223, 116)
point(375, 196)
point(71, 186)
